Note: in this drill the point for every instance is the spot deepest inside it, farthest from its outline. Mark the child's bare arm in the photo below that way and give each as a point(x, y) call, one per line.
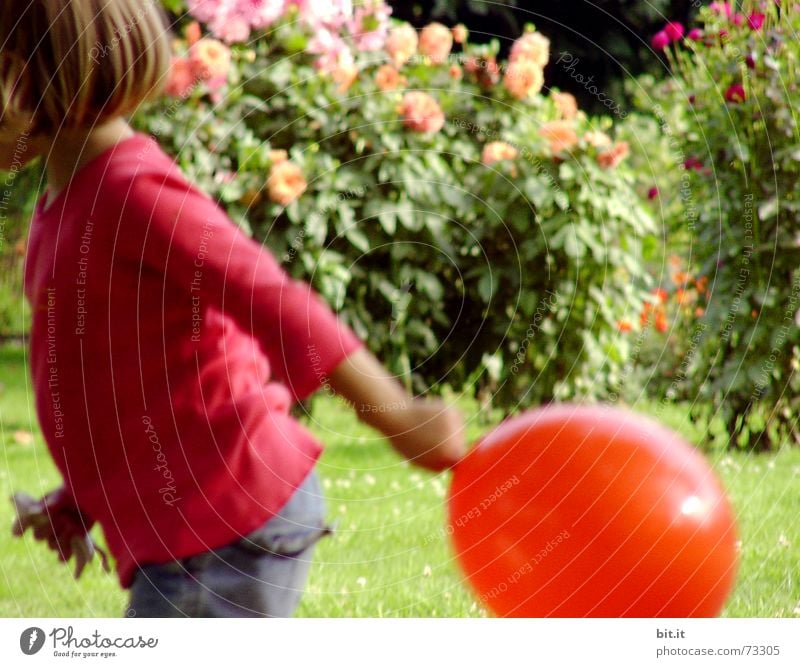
point(428, 432)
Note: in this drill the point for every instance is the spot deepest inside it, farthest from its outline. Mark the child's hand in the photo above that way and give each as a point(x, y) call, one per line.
point(60, 525)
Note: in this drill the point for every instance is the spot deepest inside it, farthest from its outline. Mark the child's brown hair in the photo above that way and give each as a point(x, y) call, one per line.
point(74, 63)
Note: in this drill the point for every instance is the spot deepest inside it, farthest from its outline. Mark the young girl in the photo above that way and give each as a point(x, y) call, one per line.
point(166, 347)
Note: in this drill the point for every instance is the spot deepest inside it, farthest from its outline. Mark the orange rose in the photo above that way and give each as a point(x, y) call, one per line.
point(277, 155)
point(561, 135)
point(456, 73)
point(211, 59)
point(436, 41)
point(533, 47)
point(624, 326)
point(345, 75)
point(285, 183)
point(496, 151)
point(421, 113)
point(523, 79)
point(388, 78)
point(566, 105)
point(401, 44)
point(193, 33)
point(614, 156)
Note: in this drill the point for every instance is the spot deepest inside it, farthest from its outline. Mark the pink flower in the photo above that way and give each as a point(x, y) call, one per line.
point(660, 40)
point(652, 193)
point(421, 113)
point(532, 46)
point(674, 30)
point(756, 20)
point(523, 78)
point(401, 44)
point(695, 34)
point(735, 93)
point(285, 183)
point(205, 10)
point(330, 14)
point(230, 29)
point(738, 19)
point(721, 8)
point(332, 50)
point(277, 397)
point(566, 104)
point(497, 151)
point(692, 163)
point(436, 42)
point(193, 33)
point(370, 26)
point(260, 14)
point(182, 78)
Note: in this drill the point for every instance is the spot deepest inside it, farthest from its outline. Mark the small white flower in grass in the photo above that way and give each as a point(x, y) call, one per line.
point(784, 541)
point(326, 483)
point(370, 480)
point(24, 438)
point(394, 486)
point(415, 477)
point(771, 465)
point(361, 581)
point(342, 509)
point(447, 595)
point(797, 610)
point(737, 545)
point(396, 511)
point(427, 571)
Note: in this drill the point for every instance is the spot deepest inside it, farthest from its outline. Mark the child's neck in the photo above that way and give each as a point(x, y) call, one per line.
point(71, 150)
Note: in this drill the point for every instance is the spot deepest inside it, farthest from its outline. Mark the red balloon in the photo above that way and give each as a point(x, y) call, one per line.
point(575, 511)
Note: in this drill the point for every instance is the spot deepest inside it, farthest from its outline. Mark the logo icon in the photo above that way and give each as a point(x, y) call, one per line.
point(31, 640)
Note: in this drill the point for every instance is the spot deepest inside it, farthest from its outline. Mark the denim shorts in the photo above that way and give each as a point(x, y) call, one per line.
point(259, 575)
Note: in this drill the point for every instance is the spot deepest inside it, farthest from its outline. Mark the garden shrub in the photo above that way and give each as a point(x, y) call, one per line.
point(730, 109)
point(474, 230)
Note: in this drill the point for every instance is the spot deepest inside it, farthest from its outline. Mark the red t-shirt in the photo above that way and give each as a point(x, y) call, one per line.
point(163, 344)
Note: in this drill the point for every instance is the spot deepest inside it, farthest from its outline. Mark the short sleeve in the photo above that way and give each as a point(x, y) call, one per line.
point(181, 232)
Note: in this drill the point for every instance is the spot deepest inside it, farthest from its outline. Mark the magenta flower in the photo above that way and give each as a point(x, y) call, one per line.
point(735, 93)
point(692, 163)
point(660, 40)
point(652, 193)
point(674, 30)
point(756, 20)
point(738, 19)
point(695, 34)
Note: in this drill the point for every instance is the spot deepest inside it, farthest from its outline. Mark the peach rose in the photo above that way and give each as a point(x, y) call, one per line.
point(523, 78)
point(388, 78)
point(193, 33)
point(597, 139)
point(532, 46)
point(421, 113)
point(277, 155)
point(460, 33)
point(182, 78)
point(496, 151)
point(612, 157)
point(566, 105)
point(456, 73)
point(401, 44)
point(211, 60)
point(436, 41)
point(285, 183)
point(561, 135)
point(345, 75)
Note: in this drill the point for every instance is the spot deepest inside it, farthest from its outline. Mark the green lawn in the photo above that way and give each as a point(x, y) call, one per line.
point(388, 557)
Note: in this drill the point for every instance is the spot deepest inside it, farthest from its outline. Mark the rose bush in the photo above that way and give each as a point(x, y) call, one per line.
point(473, 230)
point(729, 110)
